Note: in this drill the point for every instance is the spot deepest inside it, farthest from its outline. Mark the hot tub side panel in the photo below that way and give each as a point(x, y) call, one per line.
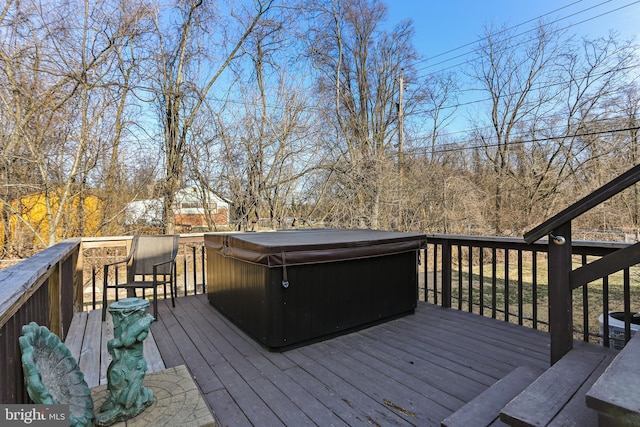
point(325, 299)
point(322, 299)
point(244, 293)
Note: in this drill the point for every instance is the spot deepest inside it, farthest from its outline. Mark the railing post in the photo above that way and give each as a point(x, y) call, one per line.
point(55, 296)
point(560, 301)
point(446, 274)
point(78, 280)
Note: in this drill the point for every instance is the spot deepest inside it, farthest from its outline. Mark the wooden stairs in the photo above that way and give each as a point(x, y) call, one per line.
point(485, 409)
point(584, 388)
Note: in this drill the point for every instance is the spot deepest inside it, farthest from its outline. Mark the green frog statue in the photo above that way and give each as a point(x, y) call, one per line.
point(127, 396)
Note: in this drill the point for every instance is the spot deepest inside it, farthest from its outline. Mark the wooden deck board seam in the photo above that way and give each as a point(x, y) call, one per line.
point(427, 376)
point(428, 345)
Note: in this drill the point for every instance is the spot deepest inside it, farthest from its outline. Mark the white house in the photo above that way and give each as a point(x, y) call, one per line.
point(192, 208)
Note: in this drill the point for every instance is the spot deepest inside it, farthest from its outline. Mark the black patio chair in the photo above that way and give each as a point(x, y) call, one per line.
point(150, 263)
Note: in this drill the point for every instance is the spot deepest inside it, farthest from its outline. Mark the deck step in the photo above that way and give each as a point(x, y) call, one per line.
point(484, 410)
point(559, 388)
point(615, 394)
point(87, 341)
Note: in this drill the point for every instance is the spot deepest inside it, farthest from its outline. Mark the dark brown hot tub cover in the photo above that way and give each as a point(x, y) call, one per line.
point(298, 247)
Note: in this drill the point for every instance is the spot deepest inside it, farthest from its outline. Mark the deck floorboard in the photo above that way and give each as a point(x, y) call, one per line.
point(415, 370)
point(87, 341)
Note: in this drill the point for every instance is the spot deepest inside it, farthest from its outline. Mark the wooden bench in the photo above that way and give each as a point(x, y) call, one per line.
point(485, 409)
point(87, 341)
point(558, 395)
point(615, 395)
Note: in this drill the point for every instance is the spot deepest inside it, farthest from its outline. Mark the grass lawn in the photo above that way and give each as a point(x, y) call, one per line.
point(529, 302)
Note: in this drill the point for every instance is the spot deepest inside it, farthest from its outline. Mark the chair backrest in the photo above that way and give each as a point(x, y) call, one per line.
point(150, 250)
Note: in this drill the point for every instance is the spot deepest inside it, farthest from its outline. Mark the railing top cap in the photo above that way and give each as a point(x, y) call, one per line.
point(16, 280)
point(605, 192)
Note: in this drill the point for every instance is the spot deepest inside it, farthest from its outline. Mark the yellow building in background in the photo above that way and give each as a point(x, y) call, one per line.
point(29, 221)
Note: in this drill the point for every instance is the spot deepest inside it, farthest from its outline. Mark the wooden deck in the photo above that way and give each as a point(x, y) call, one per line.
point(416, 370)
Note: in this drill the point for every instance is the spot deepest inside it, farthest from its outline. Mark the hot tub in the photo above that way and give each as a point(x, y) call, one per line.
point(287, 288)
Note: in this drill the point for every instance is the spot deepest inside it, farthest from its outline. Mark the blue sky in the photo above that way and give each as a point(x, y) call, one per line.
point(444, 25)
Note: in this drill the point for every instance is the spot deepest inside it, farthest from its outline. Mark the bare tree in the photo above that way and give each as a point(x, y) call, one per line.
point(631, 103)
point(440, 93)
point(187, 75)
point(57, 66)
point(359, 66)
point(546, 96)
point(513, 72)
point(253, 143)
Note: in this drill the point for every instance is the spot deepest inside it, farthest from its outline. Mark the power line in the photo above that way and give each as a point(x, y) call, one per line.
point(524, 41)
point(458, 105)
point(316, 109)
point(458, 148)
point(480, 39)
point(467, 131)
point(424, 110)
point(499, 32)
point(539, 87)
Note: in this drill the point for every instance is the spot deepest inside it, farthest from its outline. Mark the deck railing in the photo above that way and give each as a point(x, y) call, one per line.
point(40, 289)
point(564, 278)
point(96, 252)
point(51, 286)
point(505, 278)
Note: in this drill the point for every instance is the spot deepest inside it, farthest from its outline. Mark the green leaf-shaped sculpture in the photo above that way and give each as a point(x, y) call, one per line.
point(52, 374)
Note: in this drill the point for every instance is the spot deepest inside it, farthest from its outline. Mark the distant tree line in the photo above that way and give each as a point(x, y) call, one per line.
point(302, 113)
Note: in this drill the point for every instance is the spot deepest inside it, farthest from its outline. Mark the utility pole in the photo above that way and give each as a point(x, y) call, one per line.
point(400, 149)
point(401, 126)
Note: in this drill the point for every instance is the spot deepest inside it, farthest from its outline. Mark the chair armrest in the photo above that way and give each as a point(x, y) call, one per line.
point(106, 266)
point(118, 262)
point(155, 266)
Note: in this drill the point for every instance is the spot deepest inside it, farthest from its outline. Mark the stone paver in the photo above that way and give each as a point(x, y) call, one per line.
point(177, 401)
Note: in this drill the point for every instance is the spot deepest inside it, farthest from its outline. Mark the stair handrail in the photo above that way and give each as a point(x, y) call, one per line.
point(558, 229)
point(588, 202)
